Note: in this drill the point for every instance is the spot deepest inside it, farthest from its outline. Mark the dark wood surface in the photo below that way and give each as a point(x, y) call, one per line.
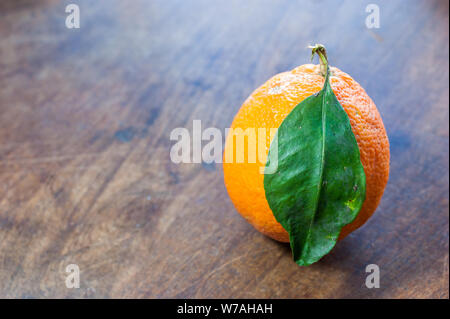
point(85, 174)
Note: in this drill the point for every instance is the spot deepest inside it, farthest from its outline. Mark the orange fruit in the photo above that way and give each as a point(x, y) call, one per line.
point(267, 107)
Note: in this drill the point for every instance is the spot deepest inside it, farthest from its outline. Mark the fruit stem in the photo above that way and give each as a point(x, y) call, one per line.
point(323, 60)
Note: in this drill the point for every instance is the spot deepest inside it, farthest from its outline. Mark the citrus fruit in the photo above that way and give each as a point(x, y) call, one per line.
point(268, 106)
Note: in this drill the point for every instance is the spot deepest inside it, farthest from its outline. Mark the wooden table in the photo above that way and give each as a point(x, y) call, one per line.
point(85, 173)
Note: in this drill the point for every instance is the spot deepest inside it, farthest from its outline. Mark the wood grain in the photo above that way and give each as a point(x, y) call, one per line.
point(85, 174)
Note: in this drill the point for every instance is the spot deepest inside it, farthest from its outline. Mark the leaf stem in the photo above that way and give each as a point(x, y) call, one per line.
point(320, 50)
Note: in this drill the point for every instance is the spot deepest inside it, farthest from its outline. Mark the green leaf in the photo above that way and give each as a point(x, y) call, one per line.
point(320, 185)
